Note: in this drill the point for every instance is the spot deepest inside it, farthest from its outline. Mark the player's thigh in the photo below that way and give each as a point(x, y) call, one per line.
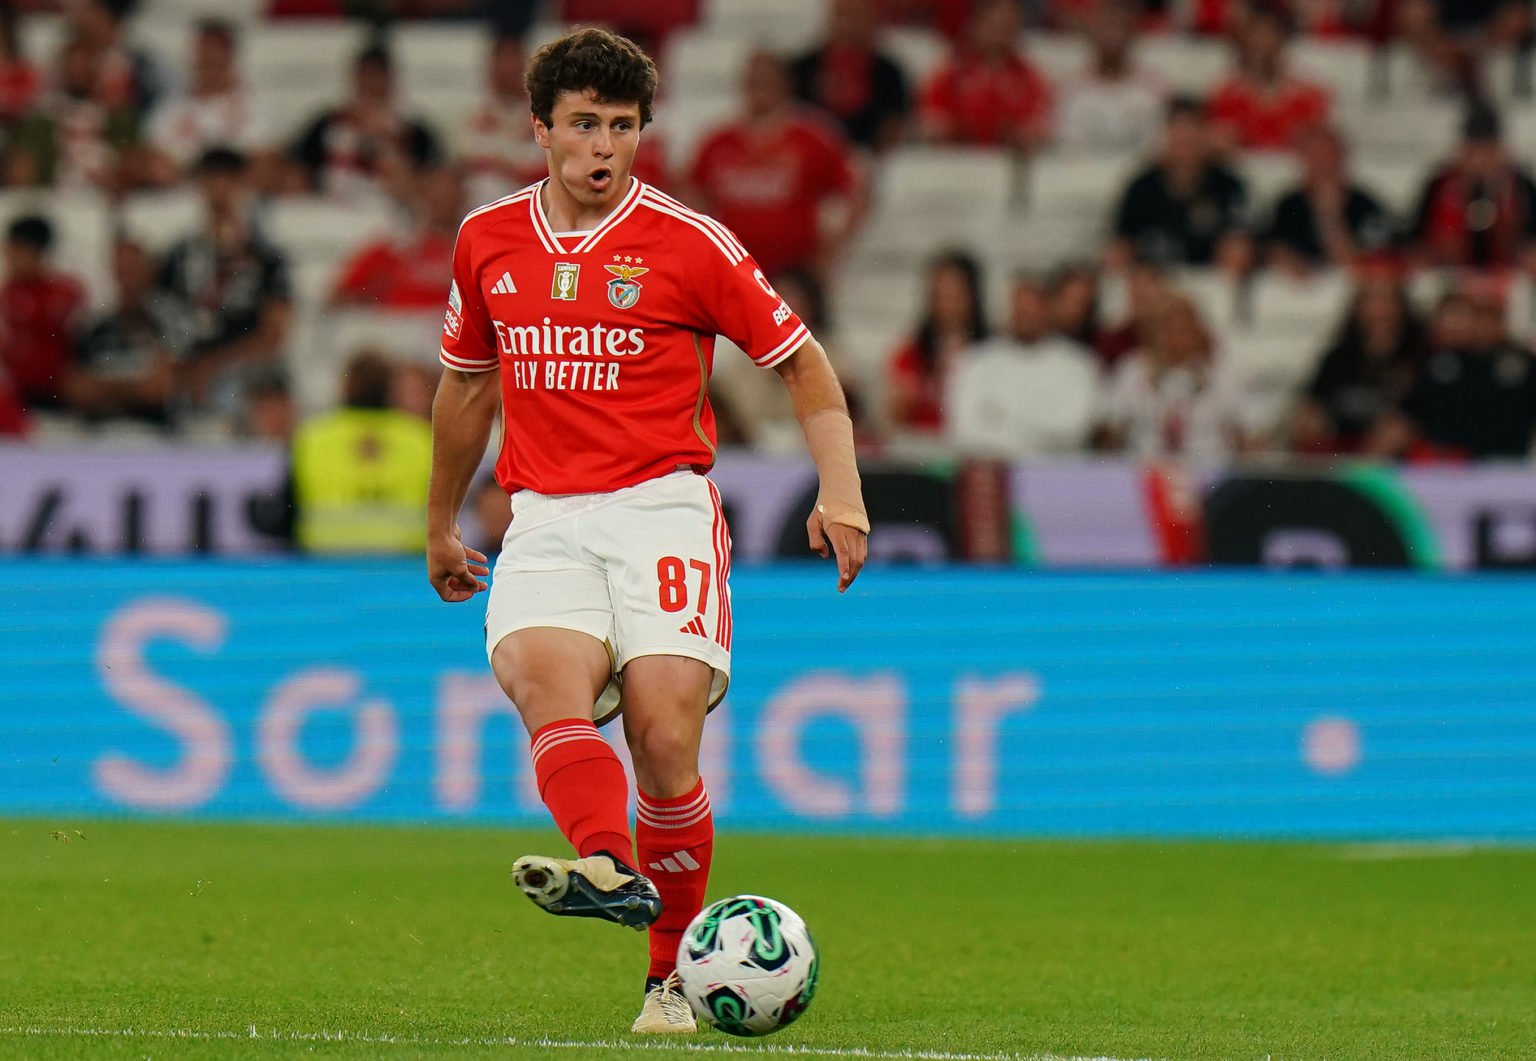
point(667, 553)
point(549, 625)
point(551, 673)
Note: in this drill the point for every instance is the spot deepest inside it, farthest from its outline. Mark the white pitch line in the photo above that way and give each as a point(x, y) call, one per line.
point(511, 1040)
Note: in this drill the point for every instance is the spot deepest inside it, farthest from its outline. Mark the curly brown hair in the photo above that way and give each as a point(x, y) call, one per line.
point(613, 67)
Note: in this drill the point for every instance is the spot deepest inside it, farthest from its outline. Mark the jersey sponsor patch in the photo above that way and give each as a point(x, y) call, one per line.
point(455, 303)
point(564, 285)
point(623, 289)
point(453, 323)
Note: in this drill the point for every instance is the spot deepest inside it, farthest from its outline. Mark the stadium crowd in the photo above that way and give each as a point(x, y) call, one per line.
point(1021, 226)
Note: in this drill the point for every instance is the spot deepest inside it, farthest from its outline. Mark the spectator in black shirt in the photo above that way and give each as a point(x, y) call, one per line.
point(1478, 211)
point(1475, 396)
point(1364, 374)
point(366, 145)
point(1452, 34)
point(127, 360)
point(1328, 220)
point(1187, 208)
point(849, 78)
point(236, 285)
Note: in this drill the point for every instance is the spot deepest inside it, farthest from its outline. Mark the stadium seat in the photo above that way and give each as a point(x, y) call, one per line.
point(1058, 56)
point(1271, 370)
point(82, 232)
point(1269, 175)
point(919, 51)
point(1346, 67)
point(1397, 182)
point(445, 57)
point(159, 219)
point(784, 25)
point(243, 11)
point(1310, 309)
point(698, 64)
point(947, 180)
point(683, 121)
point(1217, 298)
point(1186, 64)
point(1421, 131)
point(1061, 183)
point(293, 54)
point(321, 230)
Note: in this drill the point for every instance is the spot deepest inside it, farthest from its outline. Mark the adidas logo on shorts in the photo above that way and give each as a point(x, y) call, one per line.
point(693, 626)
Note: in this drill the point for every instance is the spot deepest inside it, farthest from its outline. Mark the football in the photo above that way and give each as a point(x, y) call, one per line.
point(748, 965)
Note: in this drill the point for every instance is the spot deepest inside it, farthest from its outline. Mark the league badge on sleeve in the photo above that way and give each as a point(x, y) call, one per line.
point(624, 289)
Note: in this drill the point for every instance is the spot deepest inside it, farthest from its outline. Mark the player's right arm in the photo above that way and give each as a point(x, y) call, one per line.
point(462, 414)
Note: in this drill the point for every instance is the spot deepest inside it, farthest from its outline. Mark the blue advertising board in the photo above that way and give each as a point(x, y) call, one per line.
point(981, 701)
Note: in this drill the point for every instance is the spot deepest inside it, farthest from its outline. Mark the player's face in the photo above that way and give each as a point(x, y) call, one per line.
point(591, 146)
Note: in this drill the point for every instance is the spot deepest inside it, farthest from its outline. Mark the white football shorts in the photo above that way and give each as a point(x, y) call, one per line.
point(643, 569)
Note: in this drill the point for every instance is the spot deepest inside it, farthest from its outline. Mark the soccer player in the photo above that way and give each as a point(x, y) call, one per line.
point(586, 308)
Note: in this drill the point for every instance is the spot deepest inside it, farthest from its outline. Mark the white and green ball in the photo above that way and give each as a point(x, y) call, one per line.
point(748, 965)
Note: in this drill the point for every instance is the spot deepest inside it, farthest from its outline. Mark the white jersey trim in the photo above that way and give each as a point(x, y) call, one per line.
point(724, 233)
point(784, 349)
point(464, 364)
point(731, 255)
point(515, 197)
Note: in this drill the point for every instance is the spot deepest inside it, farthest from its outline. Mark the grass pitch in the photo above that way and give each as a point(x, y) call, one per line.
point(175, 940)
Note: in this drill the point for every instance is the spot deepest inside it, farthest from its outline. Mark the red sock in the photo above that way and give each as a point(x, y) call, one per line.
point(675, 838)
point(582, 783)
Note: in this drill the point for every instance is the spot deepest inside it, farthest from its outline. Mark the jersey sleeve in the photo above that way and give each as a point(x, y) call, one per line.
point(469, 343)
point(737, 301)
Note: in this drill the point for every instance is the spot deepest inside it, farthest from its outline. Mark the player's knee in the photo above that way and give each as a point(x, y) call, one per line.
point(666, 757)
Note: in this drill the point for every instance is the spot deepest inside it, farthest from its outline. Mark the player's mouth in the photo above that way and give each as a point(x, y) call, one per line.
point(600, 179)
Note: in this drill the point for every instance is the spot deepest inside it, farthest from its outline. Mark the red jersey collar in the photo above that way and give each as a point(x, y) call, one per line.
point(552, 242)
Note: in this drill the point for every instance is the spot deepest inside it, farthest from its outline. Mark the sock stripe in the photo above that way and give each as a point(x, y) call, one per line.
point(654, 823)
point(548, 738)
point(552, 745)
point(664, 810)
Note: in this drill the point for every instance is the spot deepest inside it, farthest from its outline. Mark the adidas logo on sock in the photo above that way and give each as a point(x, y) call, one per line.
point(680, 862)
point(504, 286)
point(693, 626)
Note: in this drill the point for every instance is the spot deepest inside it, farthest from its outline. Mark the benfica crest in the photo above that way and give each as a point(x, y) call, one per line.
point(624, 289)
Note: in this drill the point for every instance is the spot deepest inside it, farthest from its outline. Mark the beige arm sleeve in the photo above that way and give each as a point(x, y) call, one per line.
point(829, 436)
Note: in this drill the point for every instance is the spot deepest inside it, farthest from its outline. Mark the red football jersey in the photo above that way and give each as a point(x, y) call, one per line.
point(605, 339)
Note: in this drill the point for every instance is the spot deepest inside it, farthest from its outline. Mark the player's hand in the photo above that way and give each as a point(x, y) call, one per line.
point(851, 546)
point(454, 569)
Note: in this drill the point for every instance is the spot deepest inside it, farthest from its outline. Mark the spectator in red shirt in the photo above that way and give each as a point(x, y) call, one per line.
point(407, 272)
point(953, 321)
point(19, 79)
point(13, 418)
point(1261, 106)
point(988, 94)
point(852, 80)
point(39, 311)
point(768, 175)
point(1479, 211)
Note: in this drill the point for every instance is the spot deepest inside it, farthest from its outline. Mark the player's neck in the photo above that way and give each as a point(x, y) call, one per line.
point(566, 213)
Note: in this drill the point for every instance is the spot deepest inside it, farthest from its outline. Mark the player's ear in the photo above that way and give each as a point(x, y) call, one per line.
point(540, 131)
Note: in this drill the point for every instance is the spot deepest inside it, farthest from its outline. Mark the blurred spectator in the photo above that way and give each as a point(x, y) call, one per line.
point(365, 145)
point(127, 360)
point(71, 138)
point(20, 81)
point(124, 76)
point(1328, 220)
point(216, 110)
point(852, 80)
point(40, 311)
point(1479, 210)
point(1074, 303)
point(1031, 391)
point(406, 271)
point(412, 389)
point(499, 152)
point(493, 512)
point(1364, 374)
point(270, 413)
point(1262, 106)
point(1454, 35)
point(770, 175)
point(1145, 289)
point(360, 472)
point(236, 285)
point(1475, 396)
point(1172, 398)
point(988, 93)
point(13, 418)
point(1187, 208)
point(1112, 107)
point(953, 319)
point(946, 16)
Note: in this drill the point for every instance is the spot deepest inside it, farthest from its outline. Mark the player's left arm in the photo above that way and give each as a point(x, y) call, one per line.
point(839, 517)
